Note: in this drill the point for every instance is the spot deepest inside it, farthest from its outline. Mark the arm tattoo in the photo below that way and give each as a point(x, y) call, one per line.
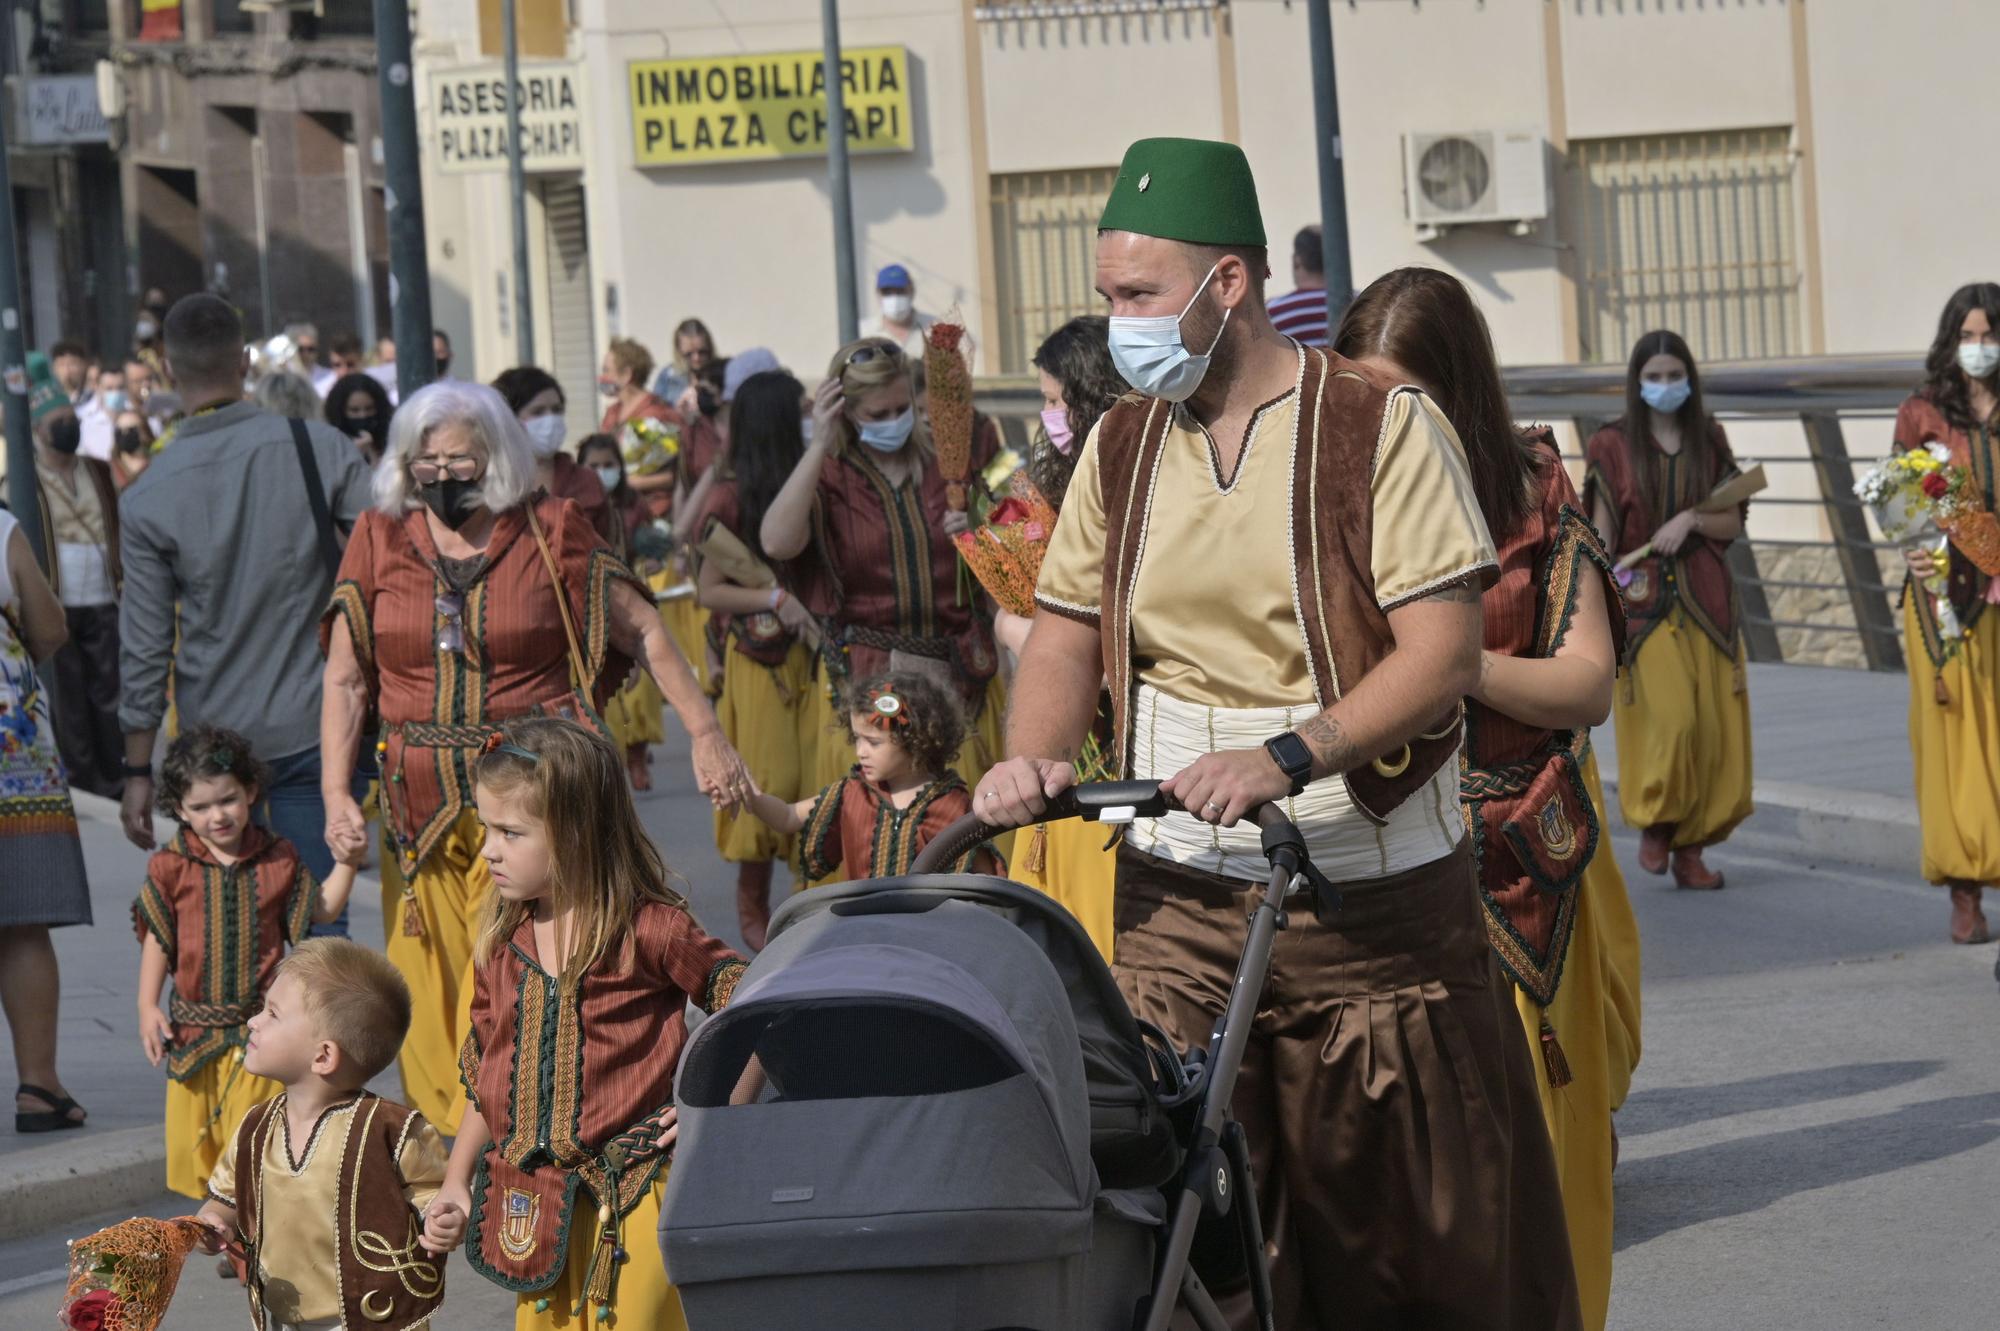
point(1332, 750)
point(1459, 593)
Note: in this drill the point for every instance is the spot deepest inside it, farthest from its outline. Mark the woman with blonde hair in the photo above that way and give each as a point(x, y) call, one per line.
point(468, 598)
point(863, 535)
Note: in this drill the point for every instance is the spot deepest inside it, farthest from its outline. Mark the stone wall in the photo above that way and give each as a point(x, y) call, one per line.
point(1827, 604)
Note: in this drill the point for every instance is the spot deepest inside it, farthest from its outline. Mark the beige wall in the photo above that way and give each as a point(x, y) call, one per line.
point(1906, 188)
point(1648, 67)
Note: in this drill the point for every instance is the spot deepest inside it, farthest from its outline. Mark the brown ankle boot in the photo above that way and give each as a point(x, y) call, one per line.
point(1654, 843)
point(1692, 874)
point(753, 903)
point(1968, 921)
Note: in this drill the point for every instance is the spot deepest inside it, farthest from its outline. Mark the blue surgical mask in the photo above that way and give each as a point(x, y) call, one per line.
point(115, 400)
point(890, 435)
point(1150, 355)
point(1666, 398)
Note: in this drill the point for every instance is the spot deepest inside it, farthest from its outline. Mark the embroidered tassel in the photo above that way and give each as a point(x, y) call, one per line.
point(1553, 1058)
point(413, 918)
point(598, 1280)
point(1942, 693)
point(1036, 858)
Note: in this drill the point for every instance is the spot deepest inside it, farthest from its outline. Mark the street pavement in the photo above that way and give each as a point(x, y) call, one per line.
point(1810, 1140)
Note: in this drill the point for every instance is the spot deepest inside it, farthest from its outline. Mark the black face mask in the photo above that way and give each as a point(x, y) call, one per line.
point(444, 366)
point(454, 501)
point(66, 436)
point(130, 442)
point(356, 426)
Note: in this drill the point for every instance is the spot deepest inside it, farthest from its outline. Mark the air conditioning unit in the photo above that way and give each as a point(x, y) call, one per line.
point(1476, 176)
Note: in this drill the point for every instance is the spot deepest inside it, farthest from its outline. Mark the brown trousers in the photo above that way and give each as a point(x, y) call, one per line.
point(1403, 1165)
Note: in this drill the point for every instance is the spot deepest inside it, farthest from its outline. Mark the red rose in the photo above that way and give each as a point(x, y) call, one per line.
point(1007, 513)
point(90, 1311)
point(1936, 486)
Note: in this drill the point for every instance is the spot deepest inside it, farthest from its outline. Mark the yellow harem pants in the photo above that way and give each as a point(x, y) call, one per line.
point(636, 713)
point(1683, 723)
point(449, 889)
point(1955, 747)
point(687, 625)
point(767, 713)
point(642, 1299)
point(1077, 871)
point(202, 1116)
point(1596, 1020)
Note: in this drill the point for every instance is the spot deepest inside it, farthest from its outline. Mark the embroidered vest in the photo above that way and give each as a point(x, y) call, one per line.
point(1343, 412)
point(387, 1279)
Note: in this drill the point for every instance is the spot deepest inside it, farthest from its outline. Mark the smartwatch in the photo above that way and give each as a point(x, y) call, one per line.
point(1293, 757)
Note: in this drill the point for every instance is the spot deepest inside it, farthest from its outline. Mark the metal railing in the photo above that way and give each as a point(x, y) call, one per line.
point(1859, 627)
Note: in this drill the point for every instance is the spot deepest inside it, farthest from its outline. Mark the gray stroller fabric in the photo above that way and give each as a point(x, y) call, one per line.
point(920, 1155)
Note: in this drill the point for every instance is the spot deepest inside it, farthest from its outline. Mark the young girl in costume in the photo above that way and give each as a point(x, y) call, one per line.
point(900, 794)
point(584, 963)
point(1683, 709)
point(219, 905)
point(767, 672)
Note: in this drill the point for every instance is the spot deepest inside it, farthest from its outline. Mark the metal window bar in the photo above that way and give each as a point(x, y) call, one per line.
point(1045, 242)
point(1849, 576)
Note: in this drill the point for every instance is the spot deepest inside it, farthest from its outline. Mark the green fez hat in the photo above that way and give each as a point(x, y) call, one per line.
point(45, 395)
point(1193, 190)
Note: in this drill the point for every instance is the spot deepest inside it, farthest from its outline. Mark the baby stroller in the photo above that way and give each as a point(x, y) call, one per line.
point(962, 1126)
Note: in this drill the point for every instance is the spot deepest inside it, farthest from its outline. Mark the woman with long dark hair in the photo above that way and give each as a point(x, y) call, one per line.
point(1079, 382)
point(767, 671)
point(359, 408)
point(1683, 711)
point(1557, 915)
point(1955, 685)
point(636, 714)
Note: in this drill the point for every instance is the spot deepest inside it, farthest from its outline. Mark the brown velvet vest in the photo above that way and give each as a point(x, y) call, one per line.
point(387, 1279)
point(1343, 413)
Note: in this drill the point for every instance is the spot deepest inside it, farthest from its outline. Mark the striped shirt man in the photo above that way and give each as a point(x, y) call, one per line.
point(1302, 315)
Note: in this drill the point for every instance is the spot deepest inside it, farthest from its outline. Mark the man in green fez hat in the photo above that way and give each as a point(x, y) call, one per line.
point(1274, 558)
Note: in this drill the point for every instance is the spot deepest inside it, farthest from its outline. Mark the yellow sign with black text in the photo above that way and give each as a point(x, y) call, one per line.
point(755, 108)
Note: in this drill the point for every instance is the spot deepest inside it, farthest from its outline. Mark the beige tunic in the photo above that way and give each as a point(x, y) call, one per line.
point(300, 1200)
point(1212, 615)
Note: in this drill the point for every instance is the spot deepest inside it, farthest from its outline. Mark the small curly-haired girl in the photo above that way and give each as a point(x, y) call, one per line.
point(901, 793)
point(220, 903)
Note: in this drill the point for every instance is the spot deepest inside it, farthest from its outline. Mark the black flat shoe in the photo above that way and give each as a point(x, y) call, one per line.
point(46, 1120)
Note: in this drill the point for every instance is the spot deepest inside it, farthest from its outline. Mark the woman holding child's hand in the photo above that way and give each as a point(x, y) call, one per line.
point(468, 597)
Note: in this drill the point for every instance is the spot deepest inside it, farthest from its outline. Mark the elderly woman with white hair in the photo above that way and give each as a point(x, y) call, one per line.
point(469, 597)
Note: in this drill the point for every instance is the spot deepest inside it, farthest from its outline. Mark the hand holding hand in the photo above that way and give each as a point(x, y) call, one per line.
point(345, 823)
point(719, 771)
point(444, 1219)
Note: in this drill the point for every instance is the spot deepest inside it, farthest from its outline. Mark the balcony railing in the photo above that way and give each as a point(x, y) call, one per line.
point(1828, 600)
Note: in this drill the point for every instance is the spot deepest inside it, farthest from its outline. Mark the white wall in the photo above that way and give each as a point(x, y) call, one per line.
point(1904, 138)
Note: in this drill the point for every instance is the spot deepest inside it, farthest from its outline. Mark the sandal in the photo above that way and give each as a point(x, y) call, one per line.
point(46, 1120)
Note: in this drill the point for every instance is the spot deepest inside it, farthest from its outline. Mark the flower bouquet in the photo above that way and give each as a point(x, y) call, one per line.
point(1006, 554)
point(122, 1278)
point(948, 384)
point(650, 446)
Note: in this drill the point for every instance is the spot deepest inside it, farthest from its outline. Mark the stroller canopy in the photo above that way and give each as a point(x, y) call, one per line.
point(926, 1101)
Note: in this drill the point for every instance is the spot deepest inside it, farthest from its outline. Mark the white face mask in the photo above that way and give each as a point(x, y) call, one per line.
point(1150, 355)
point(898, 308)
point(546, 434)
point(890, 435)
point(610, 476)
point(1978, 359)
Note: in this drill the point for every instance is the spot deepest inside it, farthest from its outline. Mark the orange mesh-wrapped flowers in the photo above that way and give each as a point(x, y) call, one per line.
point(1006, 554)
point(122, 1278)
point(948, 385)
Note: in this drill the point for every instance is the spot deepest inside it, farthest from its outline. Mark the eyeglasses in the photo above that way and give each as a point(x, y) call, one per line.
point(874, 350)
point(464, 467)
point(451, 622)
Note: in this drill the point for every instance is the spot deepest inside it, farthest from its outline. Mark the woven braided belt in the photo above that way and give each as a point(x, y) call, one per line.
point(883, 640)
point(185, 1013)
point(437, 735)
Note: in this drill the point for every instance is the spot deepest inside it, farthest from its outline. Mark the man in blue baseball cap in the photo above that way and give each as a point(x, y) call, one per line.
point(901, 322)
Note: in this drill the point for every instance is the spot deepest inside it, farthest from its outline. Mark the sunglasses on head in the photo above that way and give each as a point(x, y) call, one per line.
point(869, 351)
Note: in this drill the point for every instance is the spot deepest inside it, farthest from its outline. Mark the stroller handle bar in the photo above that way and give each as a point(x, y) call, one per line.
point(1122, 802)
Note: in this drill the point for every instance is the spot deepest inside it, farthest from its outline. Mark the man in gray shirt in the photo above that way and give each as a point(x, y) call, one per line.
point(220, 528)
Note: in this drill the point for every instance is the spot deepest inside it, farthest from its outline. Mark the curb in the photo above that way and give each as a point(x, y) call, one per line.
point(1820, 823)
point(43, 1190)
